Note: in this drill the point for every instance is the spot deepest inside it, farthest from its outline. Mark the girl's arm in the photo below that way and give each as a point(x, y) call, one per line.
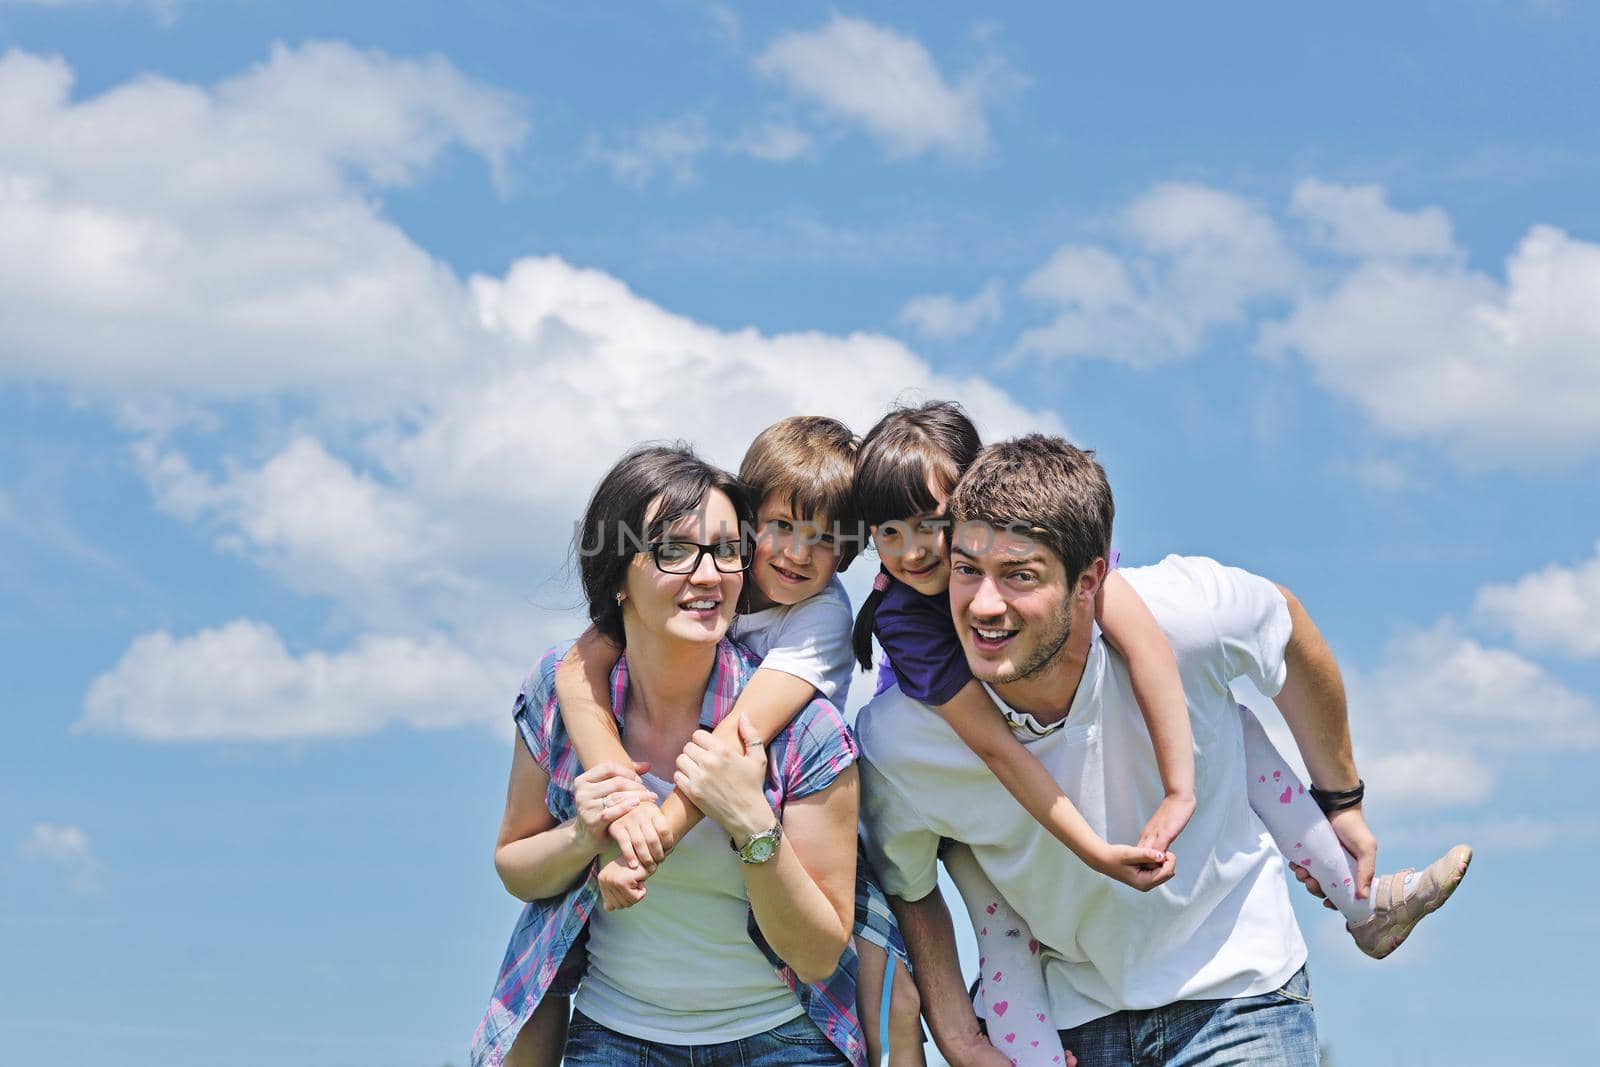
point(978, 722)
point(535, 856)
point(1129, 626)
point(770, 701)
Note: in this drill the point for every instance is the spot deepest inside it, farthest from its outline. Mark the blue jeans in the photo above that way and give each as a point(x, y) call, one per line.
point(796, 1043)
point(1278, 1028)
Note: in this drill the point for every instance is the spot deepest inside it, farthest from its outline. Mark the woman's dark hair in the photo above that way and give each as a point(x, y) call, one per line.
point(614, 528)
point(908, 448)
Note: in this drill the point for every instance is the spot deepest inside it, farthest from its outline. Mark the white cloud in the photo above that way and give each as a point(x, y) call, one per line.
point(164, 11)
point(1197, 260)
point(1500, 374)
point(249, 256)
point(1376, 472)
point(448, 430)
point(673, 148)
point(1356, 220)
point(774, 142)
point(940, 317)
point(240, 683)
point(1443, 715)
point(1556, 609)
point(886, 82)
point(66, 848)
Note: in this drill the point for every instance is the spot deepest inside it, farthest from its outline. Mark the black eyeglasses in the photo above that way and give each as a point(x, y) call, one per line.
point(683, 557)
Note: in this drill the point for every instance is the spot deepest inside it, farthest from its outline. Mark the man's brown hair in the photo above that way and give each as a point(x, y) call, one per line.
point(1043, 488)
point(808, 460)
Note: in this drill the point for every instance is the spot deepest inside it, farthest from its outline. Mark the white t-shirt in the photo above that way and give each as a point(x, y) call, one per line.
point(810, 640)
point(1222, 927)
point(679, 966)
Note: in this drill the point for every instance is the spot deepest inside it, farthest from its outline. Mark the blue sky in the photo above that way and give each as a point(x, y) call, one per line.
point(317, 325)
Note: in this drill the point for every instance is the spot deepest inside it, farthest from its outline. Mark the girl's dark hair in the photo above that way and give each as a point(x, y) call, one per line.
point(614, 529)
point(908, 448)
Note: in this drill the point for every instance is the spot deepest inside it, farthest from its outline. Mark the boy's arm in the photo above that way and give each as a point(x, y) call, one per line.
point(583, 692)
point(771, 700)
point(1130, 627)
point(978, 722)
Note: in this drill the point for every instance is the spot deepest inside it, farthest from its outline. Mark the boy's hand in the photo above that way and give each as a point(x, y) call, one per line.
point(621, 886)
point(641, 835)
point(1171, 816)
point(1141, 868)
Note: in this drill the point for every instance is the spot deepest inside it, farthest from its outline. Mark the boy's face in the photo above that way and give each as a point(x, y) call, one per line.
point(795, 557)
point(916, 550)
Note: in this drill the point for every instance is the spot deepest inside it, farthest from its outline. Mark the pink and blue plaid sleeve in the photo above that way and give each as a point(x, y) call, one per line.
point(823, 746)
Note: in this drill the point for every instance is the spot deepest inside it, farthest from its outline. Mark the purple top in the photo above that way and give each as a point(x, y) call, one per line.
point(919, 641)
point(919, 638)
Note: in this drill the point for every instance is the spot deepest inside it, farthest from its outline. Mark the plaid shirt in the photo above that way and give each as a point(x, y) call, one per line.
point(804, 758)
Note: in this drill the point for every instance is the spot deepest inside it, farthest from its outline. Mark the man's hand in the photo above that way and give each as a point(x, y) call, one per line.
point(1141, 868)
point(982, 1054)
point(1351, 826)
point(1171, 816)
point(641, 835)
point(621, 886)
point(1365, 861)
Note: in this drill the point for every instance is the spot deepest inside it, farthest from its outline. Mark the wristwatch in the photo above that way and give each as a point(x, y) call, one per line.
point(760, 848)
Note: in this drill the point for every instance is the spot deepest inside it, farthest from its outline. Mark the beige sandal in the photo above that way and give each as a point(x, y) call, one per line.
point(1394, 916)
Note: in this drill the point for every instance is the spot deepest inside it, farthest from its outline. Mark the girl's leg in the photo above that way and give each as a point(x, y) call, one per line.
point(904, 1007)
point(1296, 824)
point(1011, 993)
point(543, 1036)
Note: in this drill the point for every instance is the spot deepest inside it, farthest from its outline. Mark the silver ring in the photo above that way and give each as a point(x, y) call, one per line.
point(605, 801)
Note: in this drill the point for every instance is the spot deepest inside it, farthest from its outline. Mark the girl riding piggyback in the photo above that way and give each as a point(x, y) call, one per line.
point(906, 470)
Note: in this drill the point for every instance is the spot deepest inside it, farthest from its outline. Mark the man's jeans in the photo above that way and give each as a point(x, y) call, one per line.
point(796, 1043)
point(1278, 1028)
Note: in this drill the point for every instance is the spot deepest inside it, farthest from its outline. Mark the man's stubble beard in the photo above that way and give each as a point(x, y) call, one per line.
point(1053, 642)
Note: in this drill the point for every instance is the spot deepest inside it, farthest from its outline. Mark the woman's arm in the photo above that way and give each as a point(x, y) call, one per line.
point(1132, 630)
point(803, 897)
point(537, 857)
point(975, 718)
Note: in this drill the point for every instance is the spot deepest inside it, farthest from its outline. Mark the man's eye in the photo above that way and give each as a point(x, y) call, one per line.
point(1024, 577)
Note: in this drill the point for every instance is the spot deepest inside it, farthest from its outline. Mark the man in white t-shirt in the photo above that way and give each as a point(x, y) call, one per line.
point(1208, 967)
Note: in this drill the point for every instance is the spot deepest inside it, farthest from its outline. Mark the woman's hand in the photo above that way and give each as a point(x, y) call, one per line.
point(1141, 868)
point(724, 781)
point(602, 794)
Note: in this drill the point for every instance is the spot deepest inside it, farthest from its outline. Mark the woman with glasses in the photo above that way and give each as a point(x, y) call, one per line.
point(740, 953)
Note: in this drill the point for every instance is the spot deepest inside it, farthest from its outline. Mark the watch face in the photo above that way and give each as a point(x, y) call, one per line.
point(761, 849)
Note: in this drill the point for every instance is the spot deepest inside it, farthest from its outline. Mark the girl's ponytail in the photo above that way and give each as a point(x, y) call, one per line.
point(861, 636)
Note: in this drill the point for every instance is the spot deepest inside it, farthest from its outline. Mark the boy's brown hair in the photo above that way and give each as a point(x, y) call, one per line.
point(808, 460)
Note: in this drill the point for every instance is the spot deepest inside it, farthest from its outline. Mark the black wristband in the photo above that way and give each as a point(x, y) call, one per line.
point(1330, 801)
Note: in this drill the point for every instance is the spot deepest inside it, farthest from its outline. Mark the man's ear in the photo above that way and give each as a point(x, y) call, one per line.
point(1092, 579)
